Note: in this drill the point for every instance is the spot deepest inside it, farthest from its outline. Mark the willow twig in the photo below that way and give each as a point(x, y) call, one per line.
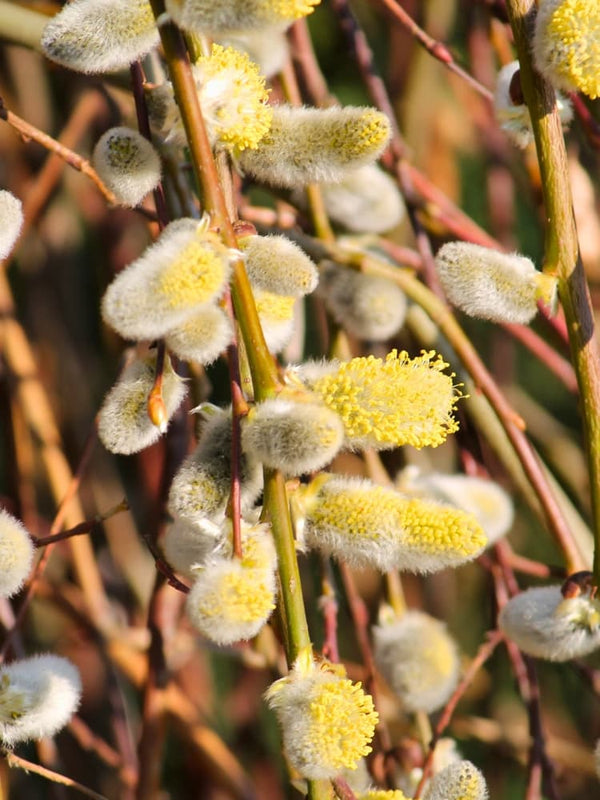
point(28, 131)
point(562, 249)
point(55, 777)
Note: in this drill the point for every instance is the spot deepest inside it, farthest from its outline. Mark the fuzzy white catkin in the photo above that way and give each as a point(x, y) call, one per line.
point(491, 285)
point(128, 164)
point(200, 488)
point(367, 306)
point(208, 16)
point(278, 265)
point(486, 499)
point(173, 279)
point(418, 658)
point(186, 545)
point(513, 117)
point(11, 222)
point(293, 436)
point(276, 315)
point(124, 426)
point(316, 145)
point(366, 200)
point(543, 623)
point(459, 781)
point(203, 337)
point(16, 554)
point(38, 696)
point(96, 36)
point(267, 47)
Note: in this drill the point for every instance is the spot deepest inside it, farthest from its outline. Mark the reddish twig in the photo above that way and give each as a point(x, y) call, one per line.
point(28, 766)
point(437, 49)
point(483, 654)
point(28, 131)
point(360, 618)
point(84, 527)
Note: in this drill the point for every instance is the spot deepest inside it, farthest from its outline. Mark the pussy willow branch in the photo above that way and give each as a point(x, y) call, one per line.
point(83, 527)
point(562, 249)
point(74, 160)
point(17, 762)
point(437, 49)
point(262, 366)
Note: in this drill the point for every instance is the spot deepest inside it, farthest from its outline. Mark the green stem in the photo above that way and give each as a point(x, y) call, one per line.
point(562, 249)
point(262, 366)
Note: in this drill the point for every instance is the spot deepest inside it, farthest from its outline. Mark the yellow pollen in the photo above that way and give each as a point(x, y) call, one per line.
point(292, 9)
point(574, 35)
point(242, 595)
point(194, 277)
point(274, 307)
point(393, 402)
point(233, 98)
point(342, 722)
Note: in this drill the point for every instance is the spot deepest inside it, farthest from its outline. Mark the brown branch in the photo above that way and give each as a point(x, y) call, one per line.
point(84, 527)
point(483, 654)
point(17, 762)
point(28, 131)
point(437, 49)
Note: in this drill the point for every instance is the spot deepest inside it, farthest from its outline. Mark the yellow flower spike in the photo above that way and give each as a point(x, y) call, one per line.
point(316, 145)
point(369, 525)
point(386, 404)
point(237, 15)
point(233, 99)
point(326, 720)
point(566, 44)
point(487, 500)
point(459, 781)
point(418, 658)
point(383, 794)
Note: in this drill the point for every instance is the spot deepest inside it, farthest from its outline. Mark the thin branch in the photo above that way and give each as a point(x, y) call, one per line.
point(16, 762)
point(437, 49)
point(28, 131)
point(84, 527)
point(562, 256)
point(483, 654)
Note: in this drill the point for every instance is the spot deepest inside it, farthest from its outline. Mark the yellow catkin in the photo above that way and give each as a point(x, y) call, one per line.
point(327, 721)
point(369, 525)
point(390, 403)
point(567, 44)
